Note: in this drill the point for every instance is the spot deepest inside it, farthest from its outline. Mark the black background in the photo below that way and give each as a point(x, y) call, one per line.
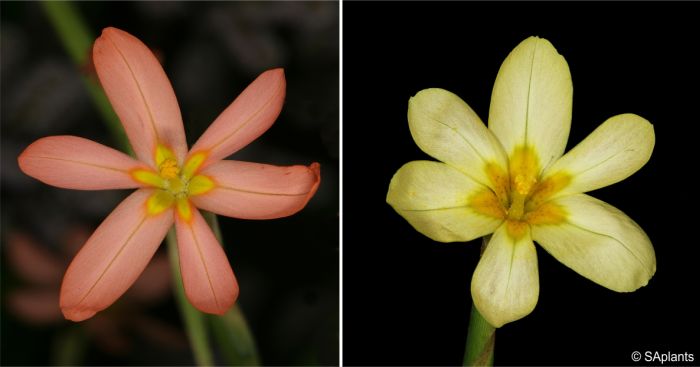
point(406, 298)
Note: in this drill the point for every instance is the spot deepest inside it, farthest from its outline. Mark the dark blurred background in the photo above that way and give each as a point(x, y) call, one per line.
point(406, 299)
point(287, 268)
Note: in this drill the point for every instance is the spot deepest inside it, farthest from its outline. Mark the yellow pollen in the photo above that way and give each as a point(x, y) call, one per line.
point(169, 169)
point(523, 183)
point(519, 196)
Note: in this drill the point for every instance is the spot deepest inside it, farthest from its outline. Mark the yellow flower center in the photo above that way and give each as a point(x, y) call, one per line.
point(520, 197)
point(169, 169)
point(174, 184)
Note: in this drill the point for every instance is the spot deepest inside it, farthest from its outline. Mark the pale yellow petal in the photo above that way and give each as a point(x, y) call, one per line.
point(434, 198)
point(531, 101)
point(444, 126)
point(612, 152)
point(505, 285)
point(599, 242)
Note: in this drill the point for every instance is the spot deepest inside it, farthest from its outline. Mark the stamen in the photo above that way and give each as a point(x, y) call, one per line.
point(169, 169)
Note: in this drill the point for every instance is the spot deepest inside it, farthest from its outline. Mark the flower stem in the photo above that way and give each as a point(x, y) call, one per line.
point(77, 41)
point(195, 322)
point(481, 339)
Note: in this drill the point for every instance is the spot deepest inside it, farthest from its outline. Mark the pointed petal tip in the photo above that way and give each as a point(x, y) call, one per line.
point(220, 308)
point(21, 160)
point(276, 71)
point(315, 168)
point(78, 314)
point(109, 32)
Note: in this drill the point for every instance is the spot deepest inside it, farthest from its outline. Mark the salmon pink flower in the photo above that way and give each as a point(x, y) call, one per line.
point(172, 182)
point(513, 180)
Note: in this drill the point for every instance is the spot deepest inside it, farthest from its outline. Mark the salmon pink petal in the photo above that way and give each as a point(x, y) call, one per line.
point(206, 273)
point(248, 117)
point(71, 162)
point(113, 257)
point(140, 93)
point(258, 191)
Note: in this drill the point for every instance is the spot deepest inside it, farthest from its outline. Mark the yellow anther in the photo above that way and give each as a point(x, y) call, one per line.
point(169, 169)
point(523, 183)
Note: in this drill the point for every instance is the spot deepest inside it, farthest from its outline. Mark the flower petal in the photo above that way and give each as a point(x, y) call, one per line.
point(244, 120)
point(206, 274)
point(435, 199)
point(599, 242)
point(258, 191)
point(113, 257)
point(32, 261)
point(443, 126)
point(505, 285)
point(140, 93)
point(75, 163)
point(612, 152)
point(36, 306)
point(531, 101)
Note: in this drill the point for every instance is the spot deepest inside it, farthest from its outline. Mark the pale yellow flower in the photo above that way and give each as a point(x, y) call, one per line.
point(513, 181)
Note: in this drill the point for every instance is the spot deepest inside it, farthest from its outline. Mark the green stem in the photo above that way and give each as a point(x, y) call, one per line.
point(77, 40)
point(481, 339)
point(195, 321)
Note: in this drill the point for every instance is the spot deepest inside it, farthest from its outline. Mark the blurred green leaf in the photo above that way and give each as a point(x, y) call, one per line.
point(69, 347)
